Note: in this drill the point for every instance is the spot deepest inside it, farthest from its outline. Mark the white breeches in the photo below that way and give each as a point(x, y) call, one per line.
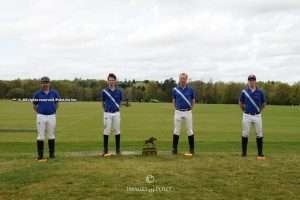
point(111, 123)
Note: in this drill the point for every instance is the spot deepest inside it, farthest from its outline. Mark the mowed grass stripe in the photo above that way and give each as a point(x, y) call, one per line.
point(83, 121)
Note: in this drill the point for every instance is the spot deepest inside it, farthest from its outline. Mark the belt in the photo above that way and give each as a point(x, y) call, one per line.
point(112, 112)
point(255, 113)
point(45, 114)
point(184, 110)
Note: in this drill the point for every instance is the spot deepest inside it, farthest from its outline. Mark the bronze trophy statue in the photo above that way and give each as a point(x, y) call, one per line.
point(149, 148)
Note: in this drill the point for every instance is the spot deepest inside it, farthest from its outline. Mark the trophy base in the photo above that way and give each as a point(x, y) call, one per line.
point(149, 151)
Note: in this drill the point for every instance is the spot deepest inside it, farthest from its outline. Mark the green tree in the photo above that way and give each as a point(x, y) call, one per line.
point(295, 96)
point(232, 93)
point(4, 88)
point(15, 93)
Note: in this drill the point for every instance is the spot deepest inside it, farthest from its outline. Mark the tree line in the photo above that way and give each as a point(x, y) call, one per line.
point(277, 93)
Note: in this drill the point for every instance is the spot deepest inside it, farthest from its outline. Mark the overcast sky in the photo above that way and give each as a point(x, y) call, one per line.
point(150, 39)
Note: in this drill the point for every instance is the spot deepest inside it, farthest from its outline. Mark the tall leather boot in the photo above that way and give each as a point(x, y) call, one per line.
point(175, 144)
point(118, 138)
point(244, 146)
point(51, 145)
point(191, 144)
point(40, 149)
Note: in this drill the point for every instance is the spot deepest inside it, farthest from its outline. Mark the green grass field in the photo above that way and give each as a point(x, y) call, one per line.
point(216, 172)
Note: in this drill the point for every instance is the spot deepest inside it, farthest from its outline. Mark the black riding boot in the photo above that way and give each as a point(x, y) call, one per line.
point(191, 144)
point(105, 144)
point(51, 145)
point(259, 144)
point(175, 144)
point(244, 146)
point(118, 138)
point(40, 149)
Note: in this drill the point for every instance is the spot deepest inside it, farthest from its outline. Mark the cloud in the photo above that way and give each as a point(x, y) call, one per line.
point(150, 39)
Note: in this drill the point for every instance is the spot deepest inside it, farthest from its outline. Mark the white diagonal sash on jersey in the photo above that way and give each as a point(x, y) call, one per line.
point(251, 100)
point(111, 98)
point(184, 98)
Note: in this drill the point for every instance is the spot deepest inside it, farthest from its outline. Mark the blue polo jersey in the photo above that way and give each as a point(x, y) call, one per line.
point(46, 103)
point(258, 97)
point(180, 103)
point(109, 105)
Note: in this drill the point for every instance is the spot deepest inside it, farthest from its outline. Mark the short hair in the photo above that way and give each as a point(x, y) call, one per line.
point(112, 75)
point(183, 74)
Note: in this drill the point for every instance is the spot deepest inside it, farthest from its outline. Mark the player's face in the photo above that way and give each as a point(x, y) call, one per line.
point(111, 82)
point(183, 79)
point(45, 85)
point(252, 83)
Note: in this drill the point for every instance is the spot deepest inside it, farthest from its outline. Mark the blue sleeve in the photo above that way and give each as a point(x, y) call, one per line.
point(193, 94)
point(103, 95)
point(121, 96)
point(173, 94)
point(263, 98)
point(57, 96)
point(242, 97)
point(35, 96)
